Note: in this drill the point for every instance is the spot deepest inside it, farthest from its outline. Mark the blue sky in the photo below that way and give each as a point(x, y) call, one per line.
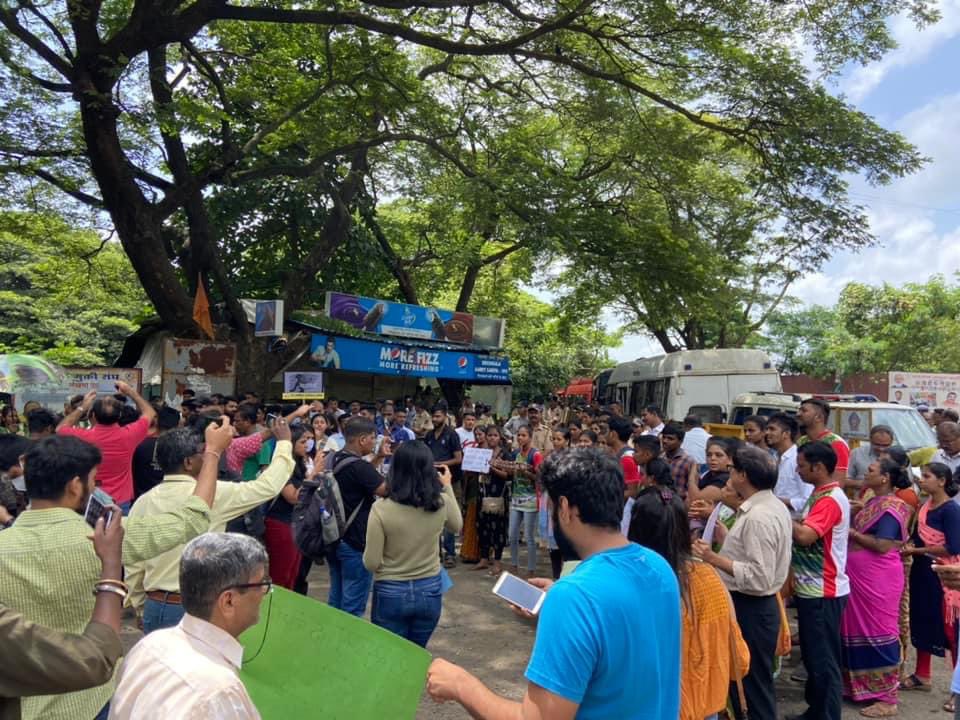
point(915, 89)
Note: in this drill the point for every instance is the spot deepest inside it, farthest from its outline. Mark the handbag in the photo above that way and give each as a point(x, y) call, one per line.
point(496, 505)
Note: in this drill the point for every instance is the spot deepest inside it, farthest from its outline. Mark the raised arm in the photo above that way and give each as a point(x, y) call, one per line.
point(145, 408)
point(73, 417)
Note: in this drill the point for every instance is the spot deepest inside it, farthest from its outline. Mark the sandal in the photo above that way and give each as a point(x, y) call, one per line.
point(950, 705)
point(912, 682)
point(879, 710)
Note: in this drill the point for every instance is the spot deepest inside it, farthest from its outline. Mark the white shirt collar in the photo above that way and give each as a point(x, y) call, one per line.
point(219, 640)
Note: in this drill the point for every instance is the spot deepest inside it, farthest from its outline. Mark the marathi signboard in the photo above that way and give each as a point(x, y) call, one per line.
point(414, 321)
point(204, 367)
point(930, 389)
point(384, 358)
point(303, 386)
point(103, 379)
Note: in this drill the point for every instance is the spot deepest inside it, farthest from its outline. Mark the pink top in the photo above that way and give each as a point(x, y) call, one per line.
point(116, 444)
point(242, 448)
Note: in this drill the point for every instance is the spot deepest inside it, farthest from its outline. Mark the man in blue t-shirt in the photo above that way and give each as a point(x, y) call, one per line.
point(608, 639)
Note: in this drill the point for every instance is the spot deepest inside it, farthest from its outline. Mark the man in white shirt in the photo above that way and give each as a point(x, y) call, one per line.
point(189, 671)
point(466, 431)
point(651, 417)
point(781, 434)
point(695, 439)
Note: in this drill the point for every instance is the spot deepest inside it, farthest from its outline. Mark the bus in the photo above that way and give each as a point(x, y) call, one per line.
point(699, 382)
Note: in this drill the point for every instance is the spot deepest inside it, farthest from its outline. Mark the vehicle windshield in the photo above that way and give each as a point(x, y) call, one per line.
point(909, 427)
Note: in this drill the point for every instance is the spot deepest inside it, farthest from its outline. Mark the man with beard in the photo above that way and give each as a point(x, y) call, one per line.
point(47, 557)
point(444, 443)
point(590, 637)
point(813, 416)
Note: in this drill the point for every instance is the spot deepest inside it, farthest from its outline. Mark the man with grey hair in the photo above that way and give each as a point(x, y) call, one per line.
point(948, 438)
point(861, 458)
point(190, 671)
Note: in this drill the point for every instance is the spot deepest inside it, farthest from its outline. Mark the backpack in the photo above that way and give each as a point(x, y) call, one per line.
point(319, 518)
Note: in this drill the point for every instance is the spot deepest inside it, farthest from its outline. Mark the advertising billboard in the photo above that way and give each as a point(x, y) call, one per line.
point(930, 389)
point(414, 321)
point(385, 358)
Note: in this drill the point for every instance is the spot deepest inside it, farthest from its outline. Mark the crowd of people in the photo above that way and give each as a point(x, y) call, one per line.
point(718, 536)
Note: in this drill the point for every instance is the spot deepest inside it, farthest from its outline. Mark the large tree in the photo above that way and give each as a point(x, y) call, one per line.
point(148, 110)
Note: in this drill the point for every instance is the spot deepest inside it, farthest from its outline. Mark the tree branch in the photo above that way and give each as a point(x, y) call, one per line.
point(64, 186)
point(9, 20)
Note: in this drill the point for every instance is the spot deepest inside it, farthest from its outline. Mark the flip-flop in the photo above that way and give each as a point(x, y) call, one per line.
point(912, 682)
point(950, 706)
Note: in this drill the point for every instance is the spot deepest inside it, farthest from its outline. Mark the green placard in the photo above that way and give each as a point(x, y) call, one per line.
point(316, 661)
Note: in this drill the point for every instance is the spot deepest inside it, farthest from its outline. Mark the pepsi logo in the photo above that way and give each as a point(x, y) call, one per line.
point(462, 361)
point(395, 353)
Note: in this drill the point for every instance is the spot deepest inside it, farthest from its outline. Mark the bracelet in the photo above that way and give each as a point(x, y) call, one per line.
point(116, 583)
point(212, 452)
point(111, 589)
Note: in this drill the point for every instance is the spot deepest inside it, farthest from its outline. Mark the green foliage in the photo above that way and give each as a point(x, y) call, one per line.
point(872, 329)
point(62, 295)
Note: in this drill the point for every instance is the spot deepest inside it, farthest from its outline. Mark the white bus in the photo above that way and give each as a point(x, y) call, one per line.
point(701, 382)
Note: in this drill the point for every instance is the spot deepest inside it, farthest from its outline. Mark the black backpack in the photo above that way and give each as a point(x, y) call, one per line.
point(319, 518)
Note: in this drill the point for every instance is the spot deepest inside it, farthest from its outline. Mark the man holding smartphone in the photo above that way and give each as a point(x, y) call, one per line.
point(47, 558)
point(594, 655)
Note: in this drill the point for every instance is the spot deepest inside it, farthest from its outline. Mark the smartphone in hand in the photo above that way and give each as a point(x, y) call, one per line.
point(97, 507)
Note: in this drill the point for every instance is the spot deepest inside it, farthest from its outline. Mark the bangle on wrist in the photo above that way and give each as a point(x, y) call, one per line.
point(212, 452)
point(115, 583)
point(98, 588)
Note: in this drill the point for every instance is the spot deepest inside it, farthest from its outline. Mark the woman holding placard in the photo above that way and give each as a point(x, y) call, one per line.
point(494, 501)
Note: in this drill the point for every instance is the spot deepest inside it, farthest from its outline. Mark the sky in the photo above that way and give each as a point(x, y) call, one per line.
point(914, 89)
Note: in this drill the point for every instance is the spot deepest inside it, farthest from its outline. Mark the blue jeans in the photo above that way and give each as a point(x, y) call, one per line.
point(125, 507)
point(350, 581)
point(409, 608)
point(104, 713)
point(158, 615)
point(449, 544)
point(529, 520)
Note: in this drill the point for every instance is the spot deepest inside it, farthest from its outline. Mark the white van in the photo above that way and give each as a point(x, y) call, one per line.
point(702, 382)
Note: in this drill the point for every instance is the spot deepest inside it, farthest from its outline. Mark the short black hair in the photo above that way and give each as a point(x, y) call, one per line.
point(648, 443)
point(759, 420)
point(167, 418)
point(53, 462)
point(785, 422)
point(41, 419)
point(757, 465)
point(621, 426)
point(822, 405)
point(357, 426)
point(591, 480)
point(174, 447)
point(819, 452)
point(693, 421)
point(412, 479)
point(673, 430)
point(246, 411)
point(654, 410)
point(11, 448)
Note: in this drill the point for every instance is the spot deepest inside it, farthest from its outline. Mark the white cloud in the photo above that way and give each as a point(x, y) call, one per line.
point(913, 46)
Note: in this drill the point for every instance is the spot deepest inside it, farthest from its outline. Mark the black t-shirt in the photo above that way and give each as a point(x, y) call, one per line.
point(713, 479)
point(146, 472)
point(280, 509)
point(358, 483)
point(444, 447)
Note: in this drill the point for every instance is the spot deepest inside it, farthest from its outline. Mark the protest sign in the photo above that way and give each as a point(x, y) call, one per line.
point(476, 459)
point(305, 659)
point(303, 386)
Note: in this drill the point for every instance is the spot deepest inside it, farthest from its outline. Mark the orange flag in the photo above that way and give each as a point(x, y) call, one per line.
point(201, 309)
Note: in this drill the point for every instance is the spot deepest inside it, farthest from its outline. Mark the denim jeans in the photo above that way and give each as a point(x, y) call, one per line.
point(409, 608)
point(158, 615)
point(529, 520)
point(449, 544)
point(350, 581)
point(125, 507)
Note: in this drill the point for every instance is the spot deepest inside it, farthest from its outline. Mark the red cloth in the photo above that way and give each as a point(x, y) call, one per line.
point(631, 473)
point(283, 553)
point(242, 448)
point(117, 445)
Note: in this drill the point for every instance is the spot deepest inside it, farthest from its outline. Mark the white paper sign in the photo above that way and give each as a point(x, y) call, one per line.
point(476, 460)
point(708, 531)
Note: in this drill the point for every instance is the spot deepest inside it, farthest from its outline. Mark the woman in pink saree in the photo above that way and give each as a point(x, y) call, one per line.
point(870, 628)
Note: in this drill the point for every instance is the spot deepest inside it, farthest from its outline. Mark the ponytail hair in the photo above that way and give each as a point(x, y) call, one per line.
point(943, 472)
point(899, 477)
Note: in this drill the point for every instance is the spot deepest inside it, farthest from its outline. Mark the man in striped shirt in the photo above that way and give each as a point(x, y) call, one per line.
point(819, 566)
